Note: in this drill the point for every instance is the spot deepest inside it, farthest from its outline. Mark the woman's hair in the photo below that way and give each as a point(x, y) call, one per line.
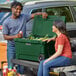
point(61, 26)
point(15, 4)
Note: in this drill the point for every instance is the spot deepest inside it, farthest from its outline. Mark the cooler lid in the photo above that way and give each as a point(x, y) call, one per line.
point(43, 27)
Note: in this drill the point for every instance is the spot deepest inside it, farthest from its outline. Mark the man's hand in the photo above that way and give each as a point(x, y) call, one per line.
point(19, 35)
point(44, 14)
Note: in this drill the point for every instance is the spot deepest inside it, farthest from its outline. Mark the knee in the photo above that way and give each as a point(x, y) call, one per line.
point(45, 66)
point(41, 62)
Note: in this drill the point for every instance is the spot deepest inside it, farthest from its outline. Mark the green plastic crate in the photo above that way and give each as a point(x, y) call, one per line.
point(36, 50)
point(43, 27)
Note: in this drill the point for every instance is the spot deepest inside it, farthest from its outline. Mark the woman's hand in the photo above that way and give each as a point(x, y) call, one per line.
point(50, 39)
point(46, 61)
point(45, 40)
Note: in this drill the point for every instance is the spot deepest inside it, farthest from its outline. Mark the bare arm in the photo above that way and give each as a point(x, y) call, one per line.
point(44, 14)
point(58, 53)
point(7, 37)
point(50, 39)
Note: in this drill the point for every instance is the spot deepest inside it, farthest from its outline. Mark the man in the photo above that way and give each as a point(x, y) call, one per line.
point(12, 27)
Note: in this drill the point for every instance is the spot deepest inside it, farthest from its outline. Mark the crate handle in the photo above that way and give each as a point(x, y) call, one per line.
point(27, 44)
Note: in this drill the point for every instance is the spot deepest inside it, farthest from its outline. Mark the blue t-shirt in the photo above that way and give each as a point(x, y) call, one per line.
point(14, 26)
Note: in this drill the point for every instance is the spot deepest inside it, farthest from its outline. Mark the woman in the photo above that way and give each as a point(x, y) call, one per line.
point(63, 54)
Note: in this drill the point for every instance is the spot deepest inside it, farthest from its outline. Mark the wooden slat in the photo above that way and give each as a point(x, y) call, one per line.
point(54, 73)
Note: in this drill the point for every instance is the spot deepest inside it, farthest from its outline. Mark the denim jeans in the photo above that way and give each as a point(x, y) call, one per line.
point(59, 61)
point(11, 54)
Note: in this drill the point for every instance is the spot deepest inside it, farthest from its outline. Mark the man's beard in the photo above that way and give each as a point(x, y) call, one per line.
point(16, 15)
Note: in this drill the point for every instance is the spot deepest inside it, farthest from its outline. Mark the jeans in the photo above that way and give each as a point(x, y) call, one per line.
point(11, 54)
point(59, 61)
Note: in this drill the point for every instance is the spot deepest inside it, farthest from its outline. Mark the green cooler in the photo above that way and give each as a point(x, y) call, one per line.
point(34, 49)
